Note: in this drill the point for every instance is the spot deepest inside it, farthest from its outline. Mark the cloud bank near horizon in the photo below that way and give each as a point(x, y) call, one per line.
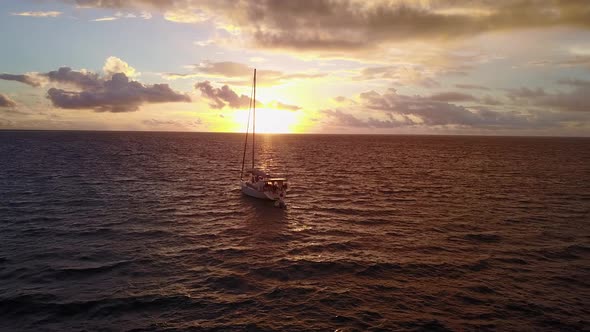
point(111, 92)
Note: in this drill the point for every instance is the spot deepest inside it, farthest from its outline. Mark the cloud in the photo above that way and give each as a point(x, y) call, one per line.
point(38, 14)
point(143, 14)
point(489, 100)
point(241, 74)
point(81, 79)
point(177, 76)
point(225, 69)
point(575, 82)
point(392, 110)
point(221, 97)
point(225, 96)
point(400, 74)
point(348, 120)
point(579, 60)
point(526, 93)
point(329, 24)
point(112, 92)
point(282, 106)
point(452, 97)
point(156, 123)
point(358, 25)
point(104, 19)
point(419, 110)
point(576, 99)
point(29, 79)
point(344, 100)
point(117, 94)
point(6, 102)
point(471, 87)
point(122, 15)
point(115, 65)
point(185, 16)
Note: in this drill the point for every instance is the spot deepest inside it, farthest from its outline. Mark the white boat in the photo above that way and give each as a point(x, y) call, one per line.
point(258, 183)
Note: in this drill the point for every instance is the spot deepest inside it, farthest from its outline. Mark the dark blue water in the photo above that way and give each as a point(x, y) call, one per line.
point(149, 231)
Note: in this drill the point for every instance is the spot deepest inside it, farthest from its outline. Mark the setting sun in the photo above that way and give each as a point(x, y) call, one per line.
point(270, 121)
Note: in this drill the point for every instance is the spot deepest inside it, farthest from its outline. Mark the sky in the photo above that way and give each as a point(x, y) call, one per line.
point(481, 67)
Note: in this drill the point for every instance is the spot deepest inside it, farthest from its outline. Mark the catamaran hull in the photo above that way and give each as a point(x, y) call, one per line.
point(247, 190)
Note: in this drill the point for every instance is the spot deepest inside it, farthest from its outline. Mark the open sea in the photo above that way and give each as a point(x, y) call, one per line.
point(120, 231)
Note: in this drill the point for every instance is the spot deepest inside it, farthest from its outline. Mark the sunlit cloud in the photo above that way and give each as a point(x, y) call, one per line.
point(115, 65)
point(5, 101)
point(203, 43)
point(38, 14)
point(185, 16)
point(104, 19)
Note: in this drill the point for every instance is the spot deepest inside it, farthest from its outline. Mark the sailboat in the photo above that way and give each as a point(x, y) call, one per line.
point(255, 182)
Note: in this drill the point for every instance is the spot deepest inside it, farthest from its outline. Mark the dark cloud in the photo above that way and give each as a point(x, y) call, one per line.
point(576, 99)
point(6, 102)
point(225, 96)
point(80, 79)
point(117, 94)
point(221, 97)
point(348, 120)
point(360, 25)
point(26, 79)
point(391, 110)
point(425, 111)
point(351, 24)
point(87, 90)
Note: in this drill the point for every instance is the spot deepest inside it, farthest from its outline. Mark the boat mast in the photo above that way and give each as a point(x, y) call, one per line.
point(254, 121)
point(247, 130)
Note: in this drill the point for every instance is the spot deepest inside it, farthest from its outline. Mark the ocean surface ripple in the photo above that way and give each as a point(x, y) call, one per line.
point(118, 231)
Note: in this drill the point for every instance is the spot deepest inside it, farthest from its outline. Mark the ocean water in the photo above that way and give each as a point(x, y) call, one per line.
point(116, 231)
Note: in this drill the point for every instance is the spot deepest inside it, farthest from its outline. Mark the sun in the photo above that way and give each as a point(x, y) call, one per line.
point(270, 121)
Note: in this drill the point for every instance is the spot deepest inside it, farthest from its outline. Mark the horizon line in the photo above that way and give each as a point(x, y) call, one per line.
point(271, 134)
